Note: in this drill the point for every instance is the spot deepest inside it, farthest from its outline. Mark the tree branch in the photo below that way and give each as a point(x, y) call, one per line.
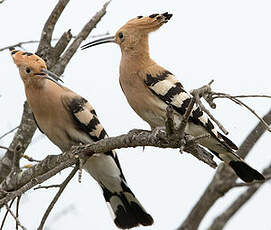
point(239, 102)
point(221, 220)
point(10, 131)
point(16, 219)
point(204, 92)
point(27, 126)
point(46, 36)
point(6, 214)
point(60, 40)
point(23, 136)
point(223, 180)
point(48, 186)
point(54, 164)
point(64, 60)
point(58, 194)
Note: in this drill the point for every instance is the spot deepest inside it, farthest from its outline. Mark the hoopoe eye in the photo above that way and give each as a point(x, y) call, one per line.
point(27, 70)
point(120, 35)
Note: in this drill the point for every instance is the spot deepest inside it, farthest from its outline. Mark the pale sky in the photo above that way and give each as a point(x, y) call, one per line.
point(228, 41)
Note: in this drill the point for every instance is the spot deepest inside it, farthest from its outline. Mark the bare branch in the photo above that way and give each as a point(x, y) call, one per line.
point(205, 90)
point(6, 214)
point(17, 211)
point(80, 170)
point(54, 164)
point(221, 220)
point(46, 36)
point(20, 44)
point(169, 121)
point(6, 148)
point(59, 68)
point(223, 180)
point(30, 158)
point(63, 161)
point(239, 102)
point(48, 186)
point(23, 135)
point(219, 95)
point(27, 126)
point(186, 115)
point(16, 219)
point(61, 189)
point(63, 42)
point(10, 131)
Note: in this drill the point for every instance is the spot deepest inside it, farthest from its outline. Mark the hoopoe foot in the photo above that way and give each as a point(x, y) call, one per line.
point(159, 132)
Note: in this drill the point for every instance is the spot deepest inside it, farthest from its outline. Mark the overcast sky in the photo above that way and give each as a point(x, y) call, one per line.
point(228, 41)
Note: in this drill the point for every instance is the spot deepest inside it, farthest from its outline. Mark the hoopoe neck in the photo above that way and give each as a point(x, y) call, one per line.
point(136, 57)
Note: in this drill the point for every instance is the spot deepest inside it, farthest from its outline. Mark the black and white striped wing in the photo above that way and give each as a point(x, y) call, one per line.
point(86, 119)
point(167, 87)
point(126, 210)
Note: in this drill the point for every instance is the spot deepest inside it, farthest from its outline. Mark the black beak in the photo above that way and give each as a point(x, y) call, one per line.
point(99, 41)
point(50, 76)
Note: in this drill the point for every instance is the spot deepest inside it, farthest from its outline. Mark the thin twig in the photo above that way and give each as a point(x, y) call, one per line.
point(23, 135)
point(6, 214)
point(222, 181)
point(20, 44)
point(16, 219)
point(61, 189)
point(222, 219)
point(185, 117)
point(82, 35)
point(54, 164)
point(6, 148)
point(205, 92)
point(48, 186)
point(47, 31)
point(17, 211)
point(187, 142)
point(81, 163)
point(30, 158)
point(16, 158)
point(10, 131)
point(239, 102)
point(169, 123)
point(5, 197)
point(217, 95)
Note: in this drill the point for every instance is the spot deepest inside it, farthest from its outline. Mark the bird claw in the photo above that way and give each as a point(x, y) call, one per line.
point(159, 132)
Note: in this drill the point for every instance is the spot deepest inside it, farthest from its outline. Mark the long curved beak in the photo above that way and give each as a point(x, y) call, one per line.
point(99, 41)
point(51, 76)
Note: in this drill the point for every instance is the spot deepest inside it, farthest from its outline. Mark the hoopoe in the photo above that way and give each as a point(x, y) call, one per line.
point(68, 119)
point(150, 88)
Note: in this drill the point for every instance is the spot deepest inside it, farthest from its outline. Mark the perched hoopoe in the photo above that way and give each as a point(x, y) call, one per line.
point(149, 89)
point(68, 119)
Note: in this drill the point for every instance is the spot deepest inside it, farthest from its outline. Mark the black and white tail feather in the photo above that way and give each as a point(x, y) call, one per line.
point(124, 207)
point(166, 86)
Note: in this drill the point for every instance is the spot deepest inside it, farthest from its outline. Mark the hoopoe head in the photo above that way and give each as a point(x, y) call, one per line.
point(135, 32)
point(31, 67)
